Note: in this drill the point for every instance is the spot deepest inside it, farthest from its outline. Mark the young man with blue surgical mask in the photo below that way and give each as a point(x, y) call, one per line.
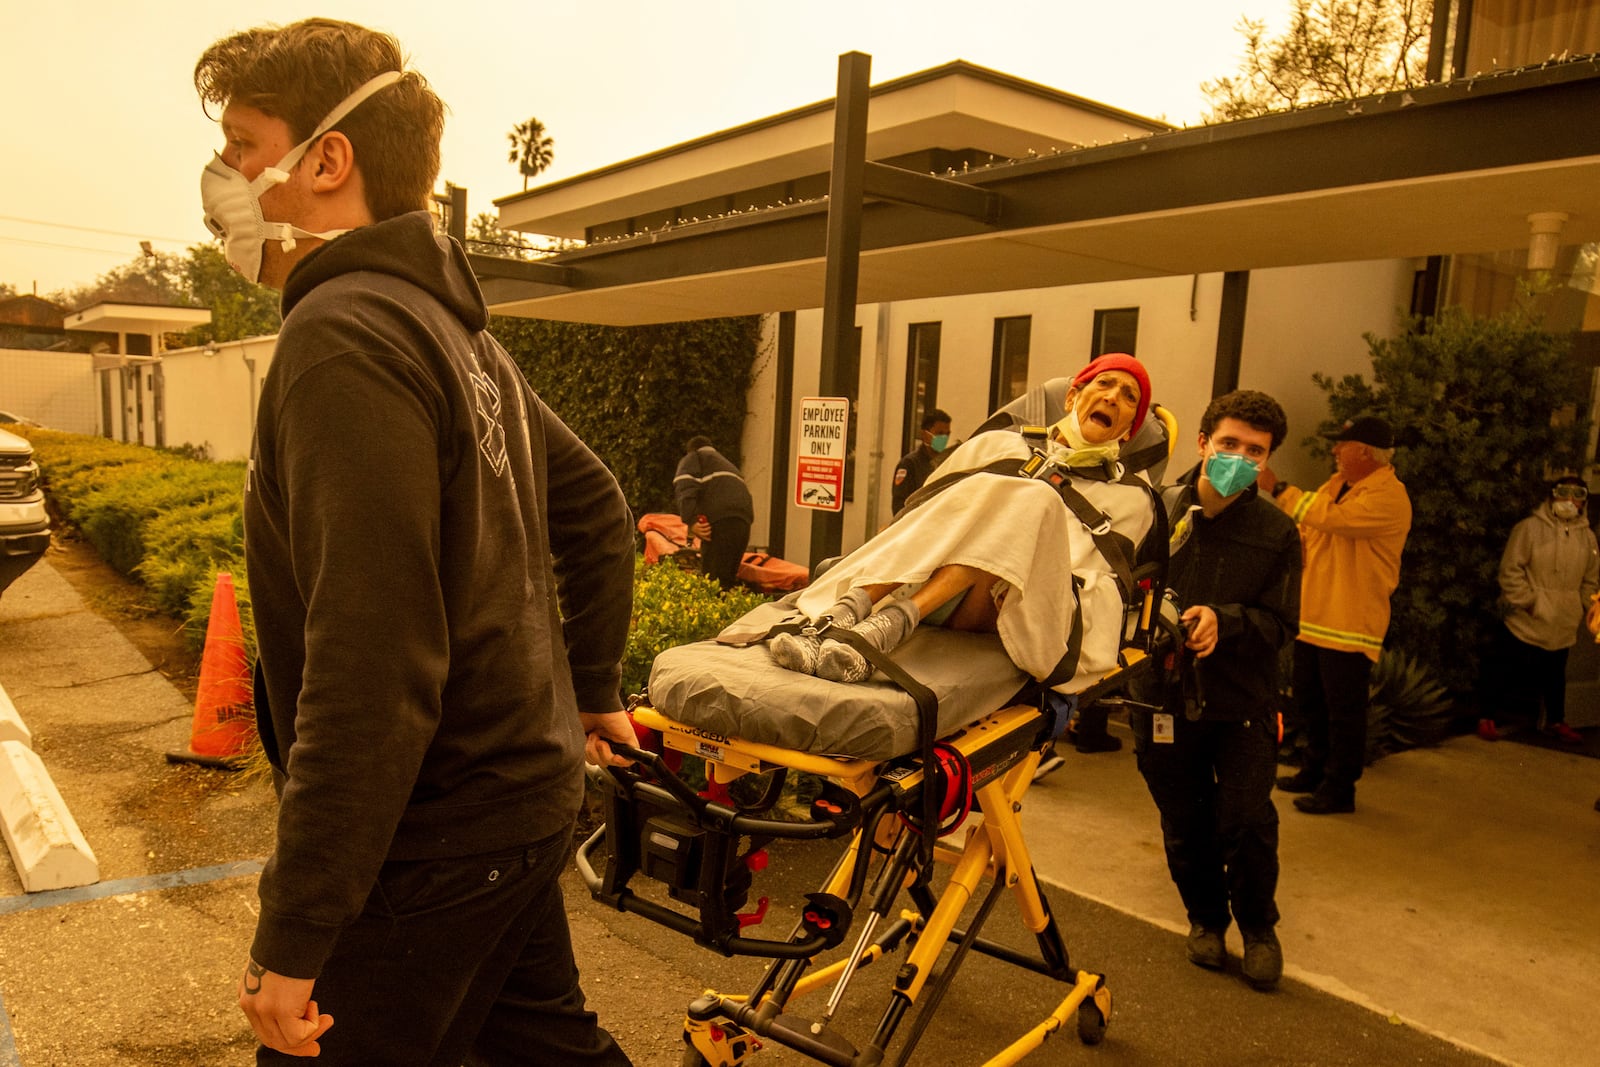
point(413, 516)
point(933, 441)
point(1209, 752)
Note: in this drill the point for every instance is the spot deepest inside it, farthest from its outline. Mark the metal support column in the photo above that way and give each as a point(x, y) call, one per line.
point(1230, 332)
point(845, 185)
point(782, 431)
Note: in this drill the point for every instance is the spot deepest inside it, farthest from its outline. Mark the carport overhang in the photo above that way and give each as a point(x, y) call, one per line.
point(1449, 168)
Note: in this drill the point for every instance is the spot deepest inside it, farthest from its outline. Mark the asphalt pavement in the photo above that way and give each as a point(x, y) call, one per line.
point(1450, 920)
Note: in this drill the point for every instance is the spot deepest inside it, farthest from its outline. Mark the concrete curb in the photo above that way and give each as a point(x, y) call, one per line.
point(12, 728)
point(49, 850)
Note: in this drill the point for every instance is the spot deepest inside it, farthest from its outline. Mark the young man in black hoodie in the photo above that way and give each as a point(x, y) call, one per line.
point(1210, 753)
point(441, 577)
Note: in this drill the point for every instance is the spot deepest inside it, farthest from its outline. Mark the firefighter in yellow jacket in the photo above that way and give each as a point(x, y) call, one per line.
point(1353, 528)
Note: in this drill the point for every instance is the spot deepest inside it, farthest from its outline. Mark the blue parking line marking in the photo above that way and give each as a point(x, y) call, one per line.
point(51, 898)
point(100, 890)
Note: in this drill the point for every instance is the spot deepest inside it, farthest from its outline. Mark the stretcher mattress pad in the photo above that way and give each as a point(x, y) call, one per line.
point(741, 692)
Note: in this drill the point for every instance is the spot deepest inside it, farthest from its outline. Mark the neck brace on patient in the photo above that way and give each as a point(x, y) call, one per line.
point(1078, 451)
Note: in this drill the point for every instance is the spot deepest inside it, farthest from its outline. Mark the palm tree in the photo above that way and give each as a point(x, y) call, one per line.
point(531, 149)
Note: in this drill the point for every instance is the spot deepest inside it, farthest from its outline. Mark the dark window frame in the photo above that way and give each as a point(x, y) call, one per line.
point(1103, 324)
point(917, 334)
point(1000, 369)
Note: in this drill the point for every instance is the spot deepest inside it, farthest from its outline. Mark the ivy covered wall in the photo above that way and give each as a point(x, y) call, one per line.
point(636, 394)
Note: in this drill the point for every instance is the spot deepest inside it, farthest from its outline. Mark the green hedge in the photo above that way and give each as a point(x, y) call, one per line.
point(673, 607)
point(172, 523)
point(636, 394)
point(168, 521)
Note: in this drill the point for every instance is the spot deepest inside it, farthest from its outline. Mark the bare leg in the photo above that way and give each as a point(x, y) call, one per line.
point(894, 622)
point(975, 613)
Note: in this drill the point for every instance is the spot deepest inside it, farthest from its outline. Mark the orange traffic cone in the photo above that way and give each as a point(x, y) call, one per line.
point(224, 719)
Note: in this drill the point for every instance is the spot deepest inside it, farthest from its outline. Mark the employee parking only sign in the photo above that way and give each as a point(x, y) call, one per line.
point(819, 474)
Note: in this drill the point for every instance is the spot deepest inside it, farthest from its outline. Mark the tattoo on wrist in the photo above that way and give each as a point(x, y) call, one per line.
point(252, 978)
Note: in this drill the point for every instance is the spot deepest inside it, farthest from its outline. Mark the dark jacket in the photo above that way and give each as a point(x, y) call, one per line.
point(909, 475)
point(1244, 564)
point(707, 484)
point(413, 516)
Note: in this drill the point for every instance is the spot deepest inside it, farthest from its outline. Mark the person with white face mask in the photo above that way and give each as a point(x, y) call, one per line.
point(1549, 572)
point(413, 514)
point(232, 202)
point(1209, 753)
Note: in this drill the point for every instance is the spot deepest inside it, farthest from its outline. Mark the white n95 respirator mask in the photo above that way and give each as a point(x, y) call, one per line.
point(232, 202)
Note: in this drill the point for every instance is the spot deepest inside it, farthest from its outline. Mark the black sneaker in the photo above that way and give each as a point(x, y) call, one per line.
point(1096, 742)
point(1263, 960)
point(1301, 781)
point(1206, 947)
point(1321, 803)
point(1051, 762)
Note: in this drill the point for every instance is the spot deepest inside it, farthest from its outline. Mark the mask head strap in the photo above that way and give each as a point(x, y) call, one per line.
point(279, 172)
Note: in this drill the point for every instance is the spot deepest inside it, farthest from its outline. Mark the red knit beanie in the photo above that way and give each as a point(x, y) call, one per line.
point(1123, 362)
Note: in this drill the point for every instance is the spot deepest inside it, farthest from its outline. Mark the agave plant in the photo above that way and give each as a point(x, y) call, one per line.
point(1407, 708)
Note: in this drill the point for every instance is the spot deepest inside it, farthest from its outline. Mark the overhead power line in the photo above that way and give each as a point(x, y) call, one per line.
point(93, 229)
point(130, 253)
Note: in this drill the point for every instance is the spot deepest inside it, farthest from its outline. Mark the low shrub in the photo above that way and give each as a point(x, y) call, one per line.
point(165, 519)
point(671, 607)
point(172, 522)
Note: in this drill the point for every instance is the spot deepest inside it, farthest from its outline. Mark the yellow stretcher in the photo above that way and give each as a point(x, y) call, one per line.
point(706, 855)
point(894, 817)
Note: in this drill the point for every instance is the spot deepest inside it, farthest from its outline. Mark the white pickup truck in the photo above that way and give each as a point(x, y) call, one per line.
point(24, 523)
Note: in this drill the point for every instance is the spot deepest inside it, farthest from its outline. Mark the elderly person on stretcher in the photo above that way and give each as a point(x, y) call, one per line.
point(987, 551)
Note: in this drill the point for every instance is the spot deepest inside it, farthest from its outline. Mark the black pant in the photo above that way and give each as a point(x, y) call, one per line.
point(723, 551)
point(458, 961)
point(1213, 787)
point(1517, 676)
point(1331, 693)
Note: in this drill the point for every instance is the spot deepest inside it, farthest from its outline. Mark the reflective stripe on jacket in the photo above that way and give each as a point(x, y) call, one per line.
point(1352, 561)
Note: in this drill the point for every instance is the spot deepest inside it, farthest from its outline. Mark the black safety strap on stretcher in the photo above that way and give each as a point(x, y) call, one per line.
point(1111, 546)
point(1067, 665)
point(927, 717)
point(1098, 524)
point(928, 491)
point(1095, 521)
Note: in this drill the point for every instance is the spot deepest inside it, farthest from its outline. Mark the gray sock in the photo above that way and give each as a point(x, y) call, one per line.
point(884, 630)
point(798, 652)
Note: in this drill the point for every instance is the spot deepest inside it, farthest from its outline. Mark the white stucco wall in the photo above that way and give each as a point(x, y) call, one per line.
point(211, 398)
point(55, 389)
point(1313, 319)
point(1298, 320)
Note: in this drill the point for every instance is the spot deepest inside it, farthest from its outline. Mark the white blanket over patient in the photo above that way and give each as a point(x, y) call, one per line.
point(1015, 528)
point(1021, 531)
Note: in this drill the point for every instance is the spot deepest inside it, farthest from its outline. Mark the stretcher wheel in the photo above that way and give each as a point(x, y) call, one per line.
point(1091, 1022)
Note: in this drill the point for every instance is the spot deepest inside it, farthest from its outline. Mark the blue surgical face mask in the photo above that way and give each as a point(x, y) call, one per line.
point(939, 442)
point(1229, 472)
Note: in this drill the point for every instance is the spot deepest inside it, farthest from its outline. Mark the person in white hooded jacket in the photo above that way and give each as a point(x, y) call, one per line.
point(1548, 573)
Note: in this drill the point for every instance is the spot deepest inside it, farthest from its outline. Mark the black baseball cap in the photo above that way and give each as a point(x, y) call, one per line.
point(1368, 429)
